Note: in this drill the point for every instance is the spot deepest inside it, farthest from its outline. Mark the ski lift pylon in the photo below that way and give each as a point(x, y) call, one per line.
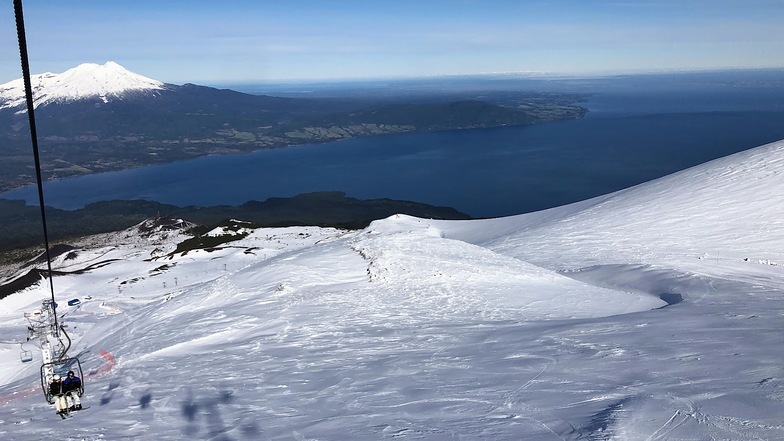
point(54, 343)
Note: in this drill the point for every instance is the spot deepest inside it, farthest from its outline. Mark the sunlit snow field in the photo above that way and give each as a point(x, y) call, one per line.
point(653, 313)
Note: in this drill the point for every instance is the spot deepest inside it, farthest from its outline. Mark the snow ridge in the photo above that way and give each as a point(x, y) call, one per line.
point(85, 81)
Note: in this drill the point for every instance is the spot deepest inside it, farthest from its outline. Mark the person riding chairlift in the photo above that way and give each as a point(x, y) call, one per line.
point(71, 386)
point(57, 390)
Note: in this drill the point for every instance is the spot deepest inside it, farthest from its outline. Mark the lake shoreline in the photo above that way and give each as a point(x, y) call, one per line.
point(633, 133)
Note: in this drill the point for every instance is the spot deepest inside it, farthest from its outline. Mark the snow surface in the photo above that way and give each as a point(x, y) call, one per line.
point(653, 313)
point(88, 80)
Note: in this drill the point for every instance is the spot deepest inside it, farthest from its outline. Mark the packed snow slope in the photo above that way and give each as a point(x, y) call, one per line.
point(88, 80)
point(653, 313)
point(726, 210)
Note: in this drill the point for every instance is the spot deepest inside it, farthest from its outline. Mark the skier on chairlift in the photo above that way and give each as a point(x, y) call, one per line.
point(72, 386)
point(57, 390)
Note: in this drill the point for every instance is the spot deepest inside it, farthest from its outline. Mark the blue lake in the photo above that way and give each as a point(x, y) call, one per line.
point(631, 135)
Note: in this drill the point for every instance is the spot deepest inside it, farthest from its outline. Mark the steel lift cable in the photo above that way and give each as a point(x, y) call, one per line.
point(20, 32)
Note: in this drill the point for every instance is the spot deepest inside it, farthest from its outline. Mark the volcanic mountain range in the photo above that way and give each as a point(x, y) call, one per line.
point(95, 118)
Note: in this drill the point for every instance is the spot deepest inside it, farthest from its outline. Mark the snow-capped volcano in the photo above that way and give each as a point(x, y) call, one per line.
point(85, 81)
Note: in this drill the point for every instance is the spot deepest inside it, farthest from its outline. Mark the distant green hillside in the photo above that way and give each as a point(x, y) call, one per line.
point(20, 225)
point(425, 117)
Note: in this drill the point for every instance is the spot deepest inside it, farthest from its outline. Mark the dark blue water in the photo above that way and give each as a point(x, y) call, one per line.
point(631, 135)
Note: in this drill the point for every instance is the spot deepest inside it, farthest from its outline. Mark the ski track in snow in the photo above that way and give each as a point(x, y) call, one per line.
point(587, 322)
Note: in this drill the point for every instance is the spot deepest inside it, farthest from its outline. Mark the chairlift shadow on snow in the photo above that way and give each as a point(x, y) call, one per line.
point(145, 400)
point(109, 394)
point(207, 412)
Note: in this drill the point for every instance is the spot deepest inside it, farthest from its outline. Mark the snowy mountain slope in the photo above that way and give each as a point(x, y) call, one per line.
point(728, 209)
point(88, 80)
point(422, 329)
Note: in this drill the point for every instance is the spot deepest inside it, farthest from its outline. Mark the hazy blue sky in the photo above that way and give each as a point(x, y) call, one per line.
point(233, 40)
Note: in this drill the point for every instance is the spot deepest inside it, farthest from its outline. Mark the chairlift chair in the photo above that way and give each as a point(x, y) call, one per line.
point(26, 356)
point(61, 368)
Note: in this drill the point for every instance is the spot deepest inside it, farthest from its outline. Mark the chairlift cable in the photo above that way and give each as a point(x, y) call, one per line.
point(55, 358)
point(20, 32)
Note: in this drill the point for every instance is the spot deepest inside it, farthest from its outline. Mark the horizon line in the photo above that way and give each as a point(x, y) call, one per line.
point(510, 74)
